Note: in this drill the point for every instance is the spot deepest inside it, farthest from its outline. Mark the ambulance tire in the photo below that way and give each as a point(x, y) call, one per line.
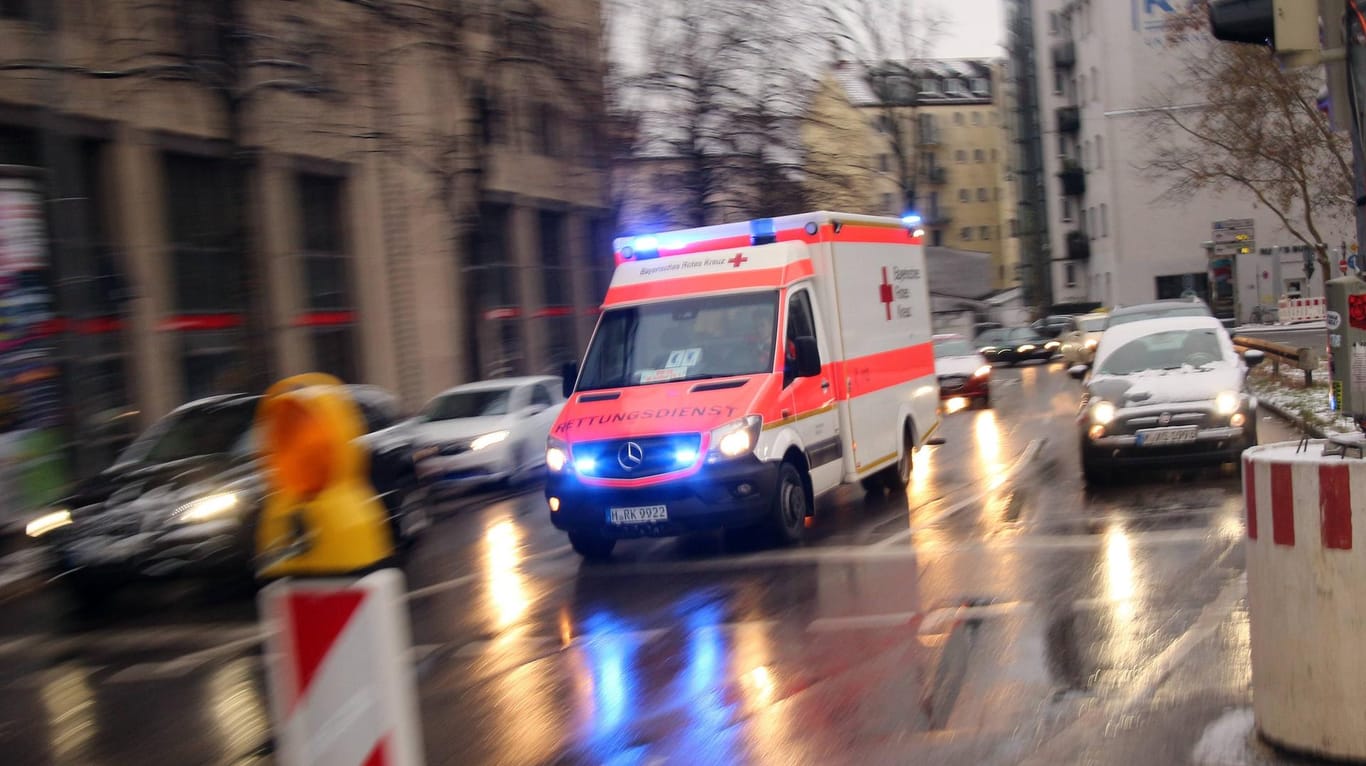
point(592, 546)
point(897, 476)
point(791, 502)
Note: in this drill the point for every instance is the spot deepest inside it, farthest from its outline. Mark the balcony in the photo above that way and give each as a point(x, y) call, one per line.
point(937, 216)
point(1065, 55)
point(1069, 119)
point(1073, 179)
point(1078, 246)
point(937, 175)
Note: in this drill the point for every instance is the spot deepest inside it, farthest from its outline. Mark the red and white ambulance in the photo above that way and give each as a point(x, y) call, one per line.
point(739, 371)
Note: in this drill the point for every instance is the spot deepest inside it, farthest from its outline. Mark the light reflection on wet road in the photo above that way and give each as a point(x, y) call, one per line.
point(964, 622)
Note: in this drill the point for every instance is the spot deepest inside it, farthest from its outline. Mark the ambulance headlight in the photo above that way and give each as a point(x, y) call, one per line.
point(735, 439)
point(556, 454)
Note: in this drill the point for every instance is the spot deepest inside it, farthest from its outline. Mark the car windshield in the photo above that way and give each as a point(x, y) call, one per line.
point(207, 430)
point(1024, 334)
point(1169, 350)
point(1091, 324)
point(955, 347)
point(992, 336)
point(468, 404)
point(687, 339)
point(1193, 310)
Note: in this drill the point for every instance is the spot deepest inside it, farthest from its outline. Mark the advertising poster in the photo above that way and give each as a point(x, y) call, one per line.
point(32, 466)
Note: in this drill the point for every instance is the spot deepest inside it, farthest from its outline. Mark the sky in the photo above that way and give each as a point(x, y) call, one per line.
point(975, 29)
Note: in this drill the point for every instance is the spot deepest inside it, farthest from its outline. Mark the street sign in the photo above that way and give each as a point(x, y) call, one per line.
point(1232, 235)
point(1234, 224)
point(1232, 248)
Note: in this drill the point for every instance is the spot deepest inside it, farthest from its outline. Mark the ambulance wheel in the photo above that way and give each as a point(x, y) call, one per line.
point(591, 545)
point(790, 504)
point(873, 484)
point(897, 476)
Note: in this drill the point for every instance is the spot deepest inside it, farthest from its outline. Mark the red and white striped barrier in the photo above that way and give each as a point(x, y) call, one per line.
point(1301, 309)
point(341, 682)
point(1306, 589)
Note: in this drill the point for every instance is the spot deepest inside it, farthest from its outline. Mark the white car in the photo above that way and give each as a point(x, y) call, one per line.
point(489, 432)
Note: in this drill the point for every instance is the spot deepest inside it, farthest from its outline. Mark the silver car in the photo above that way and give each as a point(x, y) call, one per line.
point(1165, 392)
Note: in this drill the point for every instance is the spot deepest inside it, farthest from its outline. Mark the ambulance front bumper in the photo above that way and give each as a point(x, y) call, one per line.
point(736, 493)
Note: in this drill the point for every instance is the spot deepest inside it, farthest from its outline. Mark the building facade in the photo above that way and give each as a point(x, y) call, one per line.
point(932, 138)
point(267, 188)
point(1026, 166)
point(1114, 235)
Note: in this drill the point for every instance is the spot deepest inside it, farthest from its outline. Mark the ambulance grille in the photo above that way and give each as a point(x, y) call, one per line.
point(636, 458)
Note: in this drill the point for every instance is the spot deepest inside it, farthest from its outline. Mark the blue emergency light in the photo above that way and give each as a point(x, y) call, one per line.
point(762, 232)
point(911, 220)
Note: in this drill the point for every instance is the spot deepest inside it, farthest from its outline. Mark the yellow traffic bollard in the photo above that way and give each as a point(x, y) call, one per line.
point(323, 517)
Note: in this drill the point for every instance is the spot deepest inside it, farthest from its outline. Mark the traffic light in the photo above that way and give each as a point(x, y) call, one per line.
point(1290, 27)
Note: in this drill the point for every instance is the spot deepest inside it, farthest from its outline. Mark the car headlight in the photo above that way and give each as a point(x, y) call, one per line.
point(735, 439)
point(1052, 344)
point(987, 350)
point(207, 508)
point(488, 440)
point(982, 371)
point(1227, 402)
point(48, 522)
point(1091, 344)
point(1026, 348)
point(556, 454)
point(1102, 412)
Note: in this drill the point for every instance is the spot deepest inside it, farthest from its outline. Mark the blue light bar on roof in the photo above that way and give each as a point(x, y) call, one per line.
point(646, 244)
point(761, 231)
point(911, 220)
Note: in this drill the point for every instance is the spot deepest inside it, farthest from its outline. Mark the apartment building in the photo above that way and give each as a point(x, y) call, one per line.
point(413, 214)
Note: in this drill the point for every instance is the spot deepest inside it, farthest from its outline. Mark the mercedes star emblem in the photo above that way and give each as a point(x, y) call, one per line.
point(630, 456)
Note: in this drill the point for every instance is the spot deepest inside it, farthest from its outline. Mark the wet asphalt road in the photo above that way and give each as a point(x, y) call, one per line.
point(997, 613)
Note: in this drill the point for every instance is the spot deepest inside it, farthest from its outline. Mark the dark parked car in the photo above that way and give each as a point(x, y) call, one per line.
point(1054, 325)
point(1174, 307)
point(1165, 392)
point(182, 500)
point(1013, 345)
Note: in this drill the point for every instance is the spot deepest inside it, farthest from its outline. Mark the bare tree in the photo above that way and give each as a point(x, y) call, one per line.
point(1234, 118)
point(715, 91)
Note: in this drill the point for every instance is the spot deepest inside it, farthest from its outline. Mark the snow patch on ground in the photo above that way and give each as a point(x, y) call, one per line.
point(1226, 741)
point(1289, 393)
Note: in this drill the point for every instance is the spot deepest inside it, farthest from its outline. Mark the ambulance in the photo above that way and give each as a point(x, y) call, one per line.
point(737, 372)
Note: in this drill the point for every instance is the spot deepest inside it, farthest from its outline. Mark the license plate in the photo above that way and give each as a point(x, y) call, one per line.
point(644, 514)
point(1159, 437)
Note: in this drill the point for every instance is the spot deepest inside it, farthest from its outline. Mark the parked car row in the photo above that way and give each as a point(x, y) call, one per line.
point(182, 500)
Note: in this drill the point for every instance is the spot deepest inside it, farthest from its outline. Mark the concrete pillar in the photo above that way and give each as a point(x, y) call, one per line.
point(382, 272)
point(278, 216)
point(524, 236)
point(139, 228)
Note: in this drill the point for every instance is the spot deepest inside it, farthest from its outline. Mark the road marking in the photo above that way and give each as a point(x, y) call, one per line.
point(1030, 451)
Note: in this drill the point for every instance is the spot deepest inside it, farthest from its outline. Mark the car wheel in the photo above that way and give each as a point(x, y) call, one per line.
point(592, 546)
point(89, 595)
point(985, 402)
point(790, 503)
point(514, 467)
point(898, 476)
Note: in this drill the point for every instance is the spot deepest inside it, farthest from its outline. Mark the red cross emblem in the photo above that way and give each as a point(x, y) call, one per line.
point(737, 260)
point(885, 293)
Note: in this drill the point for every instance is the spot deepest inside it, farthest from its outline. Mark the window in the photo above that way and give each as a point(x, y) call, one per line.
point(329, 303)
point(956, 87)
point(937, 237)
point(984, 232)
point(980, 86)
point(1053, 22)
point(539, 395)
point(964, 195)
point(1014, 227)
point(981, 194)
point(1066, 209)
point(1104, 225)
point(1095, 84)
point(1086, 154)
point(1058, 82)
point(1069, 271)
point(16, 9)
point(960, 155)
point(555, 278)
point(801, 323)
point(957, 118)
point(930, 87)
point(965, 234)
point(978, 155)
point(1091, 222)
point(1100, 153)
point(976, 118)
point(547, 130)
point(884, 163)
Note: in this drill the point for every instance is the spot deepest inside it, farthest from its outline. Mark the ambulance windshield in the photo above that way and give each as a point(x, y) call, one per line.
point(685, 339)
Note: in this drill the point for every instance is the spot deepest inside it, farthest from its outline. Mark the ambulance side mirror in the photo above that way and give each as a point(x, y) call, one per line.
point(808, 358)
point(569, 373)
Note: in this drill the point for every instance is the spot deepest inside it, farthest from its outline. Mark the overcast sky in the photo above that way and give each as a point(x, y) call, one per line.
point(975, 29)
